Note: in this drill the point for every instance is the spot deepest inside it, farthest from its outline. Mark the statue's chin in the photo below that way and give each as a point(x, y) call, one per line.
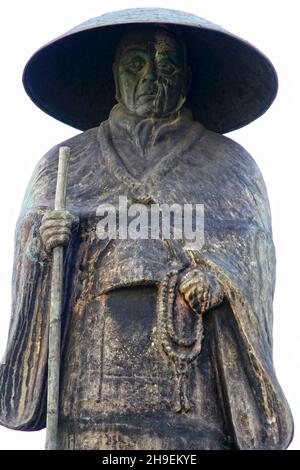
point(147, 108)
point(155, 114)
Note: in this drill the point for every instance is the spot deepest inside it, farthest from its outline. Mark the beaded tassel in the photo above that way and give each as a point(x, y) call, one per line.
point(181, 351)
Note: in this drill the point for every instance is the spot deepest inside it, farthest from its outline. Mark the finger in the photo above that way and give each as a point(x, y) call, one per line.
point(191, 276)
point(191, 294)
point(47, 232)
point(191, 291)
point(189, 297)
point(55, 241)
point(56, 222)
point(57, 232)
point(193, 300)
point(51, 223)
point(191, 284)
point(53, 214)
point(58, 215)
point(195, 306)
point(54, 226)
point(206, 301)
point(206, 297)
point(200, 299)
point(185, 286)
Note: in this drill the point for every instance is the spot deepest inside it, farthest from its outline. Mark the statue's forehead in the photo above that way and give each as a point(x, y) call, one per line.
point(141, 39)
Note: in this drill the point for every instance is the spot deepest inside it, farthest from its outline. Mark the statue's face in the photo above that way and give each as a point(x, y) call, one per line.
point(150, 73)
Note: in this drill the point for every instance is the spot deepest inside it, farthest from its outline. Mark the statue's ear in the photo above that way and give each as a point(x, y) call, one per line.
point(188, 79)
point(115, 73)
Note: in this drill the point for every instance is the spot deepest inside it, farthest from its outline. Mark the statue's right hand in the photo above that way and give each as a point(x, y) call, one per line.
point(56, 228)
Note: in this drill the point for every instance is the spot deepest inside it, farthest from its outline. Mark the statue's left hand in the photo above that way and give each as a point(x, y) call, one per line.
point(201, 290)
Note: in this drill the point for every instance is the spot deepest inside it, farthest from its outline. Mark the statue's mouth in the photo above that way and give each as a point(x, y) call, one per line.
point(147, 96)
point(149, 91)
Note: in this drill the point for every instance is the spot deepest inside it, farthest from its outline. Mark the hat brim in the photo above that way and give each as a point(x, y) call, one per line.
point(71, 78)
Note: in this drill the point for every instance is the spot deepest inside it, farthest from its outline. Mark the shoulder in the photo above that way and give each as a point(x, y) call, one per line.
point(226, 164)
point(41, 187)
point(78, 145)
point(236, 169)
point(224, 154)
point(227, 147)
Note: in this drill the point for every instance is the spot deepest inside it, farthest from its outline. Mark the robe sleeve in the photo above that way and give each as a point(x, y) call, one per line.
point(23, 371)
point(239, 250)
point(23, 368)
point(256, 411)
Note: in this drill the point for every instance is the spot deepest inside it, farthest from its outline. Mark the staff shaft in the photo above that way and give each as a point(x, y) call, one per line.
point(55, 311)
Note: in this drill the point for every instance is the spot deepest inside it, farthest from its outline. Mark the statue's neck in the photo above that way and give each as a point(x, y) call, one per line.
point(142, 142)
point(145, 133)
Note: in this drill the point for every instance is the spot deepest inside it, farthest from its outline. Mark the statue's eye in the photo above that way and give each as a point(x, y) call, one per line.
point(136, 64)
point(166, 68)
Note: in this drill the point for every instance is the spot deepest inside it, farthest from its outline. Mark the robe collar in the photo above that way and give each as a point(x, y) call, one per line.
point(139, 152)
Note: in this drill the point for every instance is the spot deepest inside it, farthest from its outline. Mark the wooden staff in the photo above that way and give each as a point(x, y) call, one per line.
point(55, 310)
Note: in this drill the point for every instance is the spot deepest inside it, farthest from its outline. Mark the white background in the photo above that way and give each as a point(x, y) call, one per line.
point(27, 133)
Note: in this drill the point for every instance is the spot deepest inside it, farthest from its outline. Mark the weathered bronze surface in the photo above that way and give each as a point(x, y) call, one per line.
point(163, 347)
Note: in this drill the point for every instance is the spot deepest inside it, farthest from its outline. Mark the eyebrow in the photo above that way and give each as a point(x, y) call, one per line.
point(138, 48)
point(134, 47)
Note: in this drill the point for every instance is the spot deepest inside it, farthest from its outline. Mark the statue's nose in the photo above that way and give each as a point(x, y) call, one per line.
point(149, 73)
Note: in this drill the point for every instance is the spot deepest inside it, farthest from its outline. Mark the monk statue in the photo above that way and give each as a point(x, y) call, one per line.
point(166, 343)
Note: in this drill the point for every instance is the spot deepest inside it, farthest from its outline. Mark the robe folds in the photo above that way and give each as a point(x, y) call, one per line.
point(172, 160)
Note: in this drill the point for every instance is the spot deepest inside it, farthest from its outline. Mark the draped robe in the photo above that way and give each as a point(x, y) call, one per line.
point(172, 160)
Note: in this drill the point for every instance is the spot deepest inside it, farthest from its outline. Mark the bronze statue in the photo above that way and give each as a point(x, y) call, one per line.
point(164, 346)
